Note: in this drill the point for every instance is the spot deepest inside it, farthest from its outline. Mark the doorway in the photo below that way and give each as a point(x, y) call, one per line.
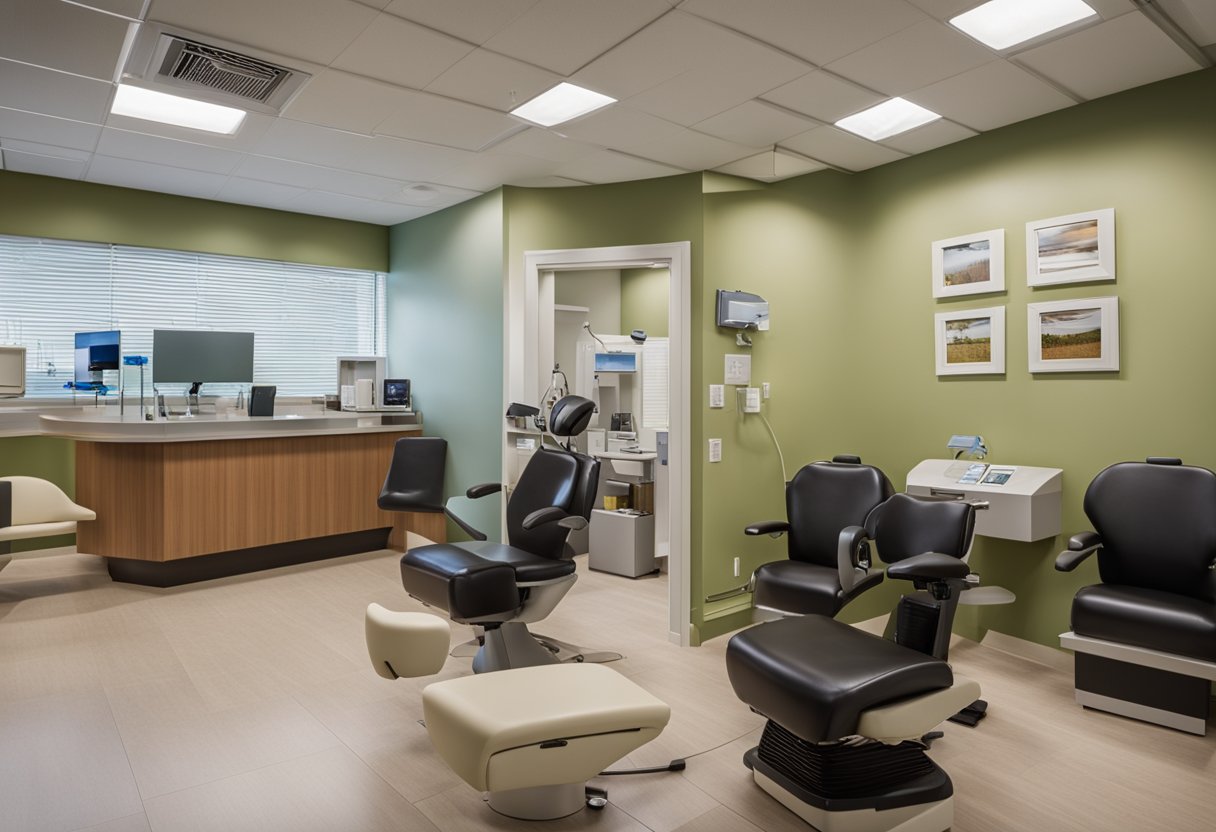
point(531, 320)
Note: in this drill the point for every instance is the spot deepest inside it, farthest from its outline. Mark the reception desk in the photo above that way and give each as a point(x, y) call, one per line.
point(193, 499)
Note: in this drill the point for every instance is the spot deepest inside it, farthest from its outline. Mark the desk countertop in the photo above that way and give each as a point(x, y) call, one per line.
point(109, 427)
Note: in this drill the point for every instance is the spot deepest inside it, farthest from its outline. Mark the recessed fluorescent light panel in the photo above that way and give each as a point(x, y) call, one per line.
point(887, 119)
point(562, 103)
point(1001, 24)
point(150, 105)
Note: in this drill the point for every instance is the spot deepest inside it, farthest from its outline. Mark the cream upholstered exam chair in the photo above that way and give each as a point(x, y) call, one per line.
point(32, 507)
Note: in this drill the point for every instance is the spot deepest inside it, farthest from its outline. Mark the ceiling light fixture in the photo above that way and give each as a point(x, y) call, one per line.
point(150, 105)
point(562, 103)
point(884, 120)
point(1001, 24)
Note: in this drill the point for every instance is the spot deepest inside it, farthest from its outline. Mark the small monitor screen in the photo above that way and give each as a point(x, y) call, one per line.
point(184, 356)
point(94, 353)
point(397, 392)
point(998, 476)
point(616, 362)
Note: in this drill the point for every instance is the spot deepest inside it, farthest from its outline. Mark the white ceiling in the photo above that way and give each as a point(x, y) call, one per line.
point(407, 109)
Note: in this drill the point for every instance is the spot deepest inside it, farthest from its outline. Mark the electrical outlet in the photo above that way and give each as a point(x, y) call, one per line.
point(738, 370)
point(717, 395)
point(766, 389)
point(736, 567)
point(715, 450)
point(751, 400)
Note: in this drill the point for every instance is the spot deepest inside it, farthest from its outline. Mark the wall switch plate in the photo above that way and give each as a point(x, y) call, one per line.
point(766, 389)
point(736, 567)
point(739, 369)
point(717, 395)
point(751, 400)
point(715, 450)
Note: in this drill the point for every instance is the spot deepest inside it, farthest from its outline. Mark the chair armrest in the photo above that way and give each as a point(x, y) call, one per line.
point(553, 514)
point(849, 561)
point(1080, 546)
point(469, 530)
point(483, 490)
point(930, 566)
point(774, 527)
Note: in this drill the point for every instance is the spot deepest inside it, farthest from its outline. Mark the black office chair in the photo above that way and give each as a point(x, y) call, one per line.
point(503, 587)
point(1145, 637)
point(850, 713)
point(821, 500)
point(414, 481)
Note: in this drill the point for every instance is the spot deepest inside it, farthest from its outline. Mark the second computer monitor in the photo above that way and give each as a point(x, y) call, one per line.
point(188, 356)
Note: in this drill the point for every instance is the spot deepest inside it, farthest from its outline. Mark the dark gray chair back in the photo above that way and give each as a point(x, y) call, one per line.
point(1157, 520)
point(415, 476)
point(825, 497)
point(904, 526)
point(552, 478)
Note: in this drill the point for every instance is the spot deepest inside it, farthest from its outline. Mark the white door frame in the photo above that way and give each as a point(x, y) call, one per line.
point(522, 332)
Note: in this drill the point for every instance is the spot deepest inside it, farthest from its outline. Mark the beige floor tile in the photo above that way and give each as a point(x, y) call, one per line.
point(329, 791)
point(62, 765)
point(719, 819)
point(663, 802)
point(131, 823)
point(462, 809)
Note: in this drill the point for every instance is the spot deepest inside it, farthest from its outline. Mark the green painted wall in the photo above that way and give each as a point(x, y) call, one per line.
point(44, 206)
point(47, 457)
point(445, 301)
point(644, 295)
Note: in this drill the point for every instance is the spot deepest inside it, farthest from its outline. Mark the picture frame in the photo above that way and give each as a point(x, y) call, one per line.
point(973, 264)
point(1069, 336)
point(970, 341)
point(1074, 248)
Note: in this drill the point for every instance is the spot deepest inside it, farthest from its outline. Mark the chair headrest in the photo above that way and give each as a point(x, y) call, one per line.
point(571, 415)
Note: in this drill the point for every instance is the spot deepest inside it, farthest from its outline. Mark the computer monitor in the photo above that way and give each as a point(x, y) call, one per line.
point(96, 352)
point(195, 357)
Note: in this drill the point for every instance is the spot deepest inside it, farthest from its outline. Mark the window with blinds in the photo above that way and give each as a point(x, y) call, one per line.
point(302, 316)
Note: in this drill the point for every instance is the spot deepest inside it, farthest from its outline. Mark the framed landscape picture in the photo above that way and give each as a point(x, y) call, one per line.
point(1073, 335)
point(970, 342)
point(969, 265)
point(1077, 248)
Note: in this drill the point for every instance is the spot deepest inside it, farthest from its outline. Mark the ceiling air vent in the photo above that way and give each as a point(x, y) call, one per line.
point(210, 69)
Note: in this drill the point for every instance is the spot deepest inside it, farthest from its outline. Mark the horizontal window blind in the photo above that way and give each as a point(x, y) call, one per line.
point(302, 316)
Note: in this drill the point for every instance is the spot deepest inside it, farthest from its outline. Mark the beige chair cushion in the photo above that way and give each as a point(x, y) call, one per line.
point(915, 717)
point(36, 530)
point(406, 644)
point(490, 727)
point(36, 501)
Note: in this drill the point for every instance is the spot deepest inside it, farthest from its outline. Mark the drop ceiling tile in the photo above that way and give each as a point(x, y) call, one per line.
point(62, 36)
point(916, 57)
point(818, 30)
point(472, 20)
point(401, 52)
point(842, 149)
point(130, 9)
point(946, 9)
point(771, 166)
point(43, 149)
point(19, 162)
point(690, 150)
point(146, 176)
point(619, 126)
point(1115, 55)
point(929, 136)
point(251, 131)
point(609, 166)
point(316, 177)
point(823, 96)
point(37, 90)
point(547, 182)
point(375, 155)
point(345, 102)
point(991, 96)
point(563, 35)
point(544, 144)
point(493, 80)
point(345, 207)
point(432, 118)
point(486, 171)
point(1196, 17)
point(755, 123)
point(432, 196)
point(31, 127)
point(262, 194)
point(124, 144)
point(314, 30)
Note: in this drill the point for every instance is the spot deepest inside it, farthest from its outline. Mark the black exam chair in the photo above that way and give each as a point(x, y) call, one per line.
point(503, 587)
point(1145, 637)
point(414, 482)
point(821, 500)
point(849, 713)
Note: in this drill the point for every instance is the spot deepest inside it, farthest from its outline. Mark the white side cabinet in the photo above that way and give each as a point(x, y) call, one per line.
point(621, 543)
point(1024, 501)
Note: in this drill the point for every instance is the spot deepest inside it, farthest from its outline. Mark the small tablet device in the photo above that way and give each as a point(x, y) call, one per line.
point(974, 474)
point(998, 476)
point(396, 392)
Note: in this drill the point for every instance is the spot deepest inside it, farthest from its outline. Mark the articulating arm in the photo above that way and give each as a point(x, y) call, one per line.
point(550, 514)
point(929, 567)
point(1080, 546)
point(775, 528)
point(474, 493)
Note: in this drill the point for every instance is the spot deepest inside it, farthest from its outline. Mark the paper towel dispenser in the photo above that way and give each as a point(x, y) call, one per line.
point(1024, 503)
point(742, 310)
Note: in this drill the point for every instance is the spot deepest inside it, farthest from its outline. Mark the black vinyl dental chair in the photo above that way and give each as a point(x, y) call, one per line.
point(1145, 637)
point(822, 499)
point(849, 713)
point(503, 587)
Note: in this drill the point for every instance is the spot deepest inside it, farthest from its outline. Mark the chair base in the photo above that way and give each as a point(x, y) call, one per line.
point(540, 803)
point(510, 645)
